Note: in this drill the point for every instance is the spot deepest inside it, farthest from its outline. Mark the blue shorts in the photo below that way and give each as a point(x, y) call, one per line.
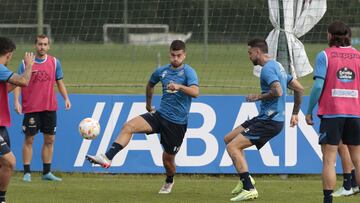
point(260, 131)
point(44, 121)
point(171, 134)
point(332, 130)
point(4, 141)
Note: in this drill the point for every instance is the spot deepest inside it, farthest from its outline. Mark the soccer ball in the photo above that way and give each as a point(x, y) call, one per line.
point(89, 128)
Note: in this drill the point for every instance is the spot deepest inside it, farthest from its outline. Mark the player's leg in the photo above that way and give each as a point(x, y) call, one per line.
point(231, 135)
point(7, 166)
point(31, 123)
point(7, 162)
point(171, 138)
point(328, 171)
point(354, 153)
point(139, 124)
point(48, 128)
point(227, 139)
point(170, 168)
point(347, 167)
point(27, 152)
point(331, 132)
point(352, 139)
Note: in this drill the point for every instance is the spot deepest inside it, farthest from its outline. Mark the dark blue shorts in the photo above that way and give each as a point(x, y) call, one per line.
point(171, 134)
point(260, 131)
point(4, 141)
point(44, 121)
point(332, 130)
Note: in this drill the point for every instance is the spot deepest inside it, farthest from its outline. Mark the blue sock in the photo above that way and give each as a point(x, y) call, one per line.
point(353, 179)
point(347, 181)
point(245, 179)
point(327, 196)
point(114, 149)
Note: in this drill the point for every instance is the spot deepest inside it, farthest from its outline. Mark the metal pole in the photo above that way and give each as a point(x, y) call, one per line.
point(206, 30)
point(125, 16)
point(40, 17)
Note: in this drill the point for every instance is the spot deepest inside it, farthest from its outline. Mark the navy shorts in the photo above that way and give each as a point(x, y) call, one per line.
point(171, 134)
point(4, 141)
point(332, 130)
point(260, 131)
point(44, 121)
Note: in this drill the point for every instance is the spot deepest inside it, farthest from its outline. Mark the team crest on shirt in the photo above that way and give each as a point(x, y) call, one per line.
point(180, 73)
point(345, 74)
point(163, 74)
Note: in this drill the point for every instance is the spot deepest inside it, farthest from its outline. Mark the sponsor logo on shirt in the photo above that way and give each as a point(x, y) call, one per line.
point(344, 93)
point(345, 74)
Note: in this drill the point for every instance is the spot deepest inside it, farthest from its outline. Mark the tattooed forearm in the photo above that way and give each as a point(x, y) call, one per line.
point(275, 91)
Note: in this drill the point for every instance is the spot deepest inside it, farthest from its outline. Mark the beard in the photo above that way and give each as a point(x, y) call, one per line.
point(255, 62)
point(175, 65)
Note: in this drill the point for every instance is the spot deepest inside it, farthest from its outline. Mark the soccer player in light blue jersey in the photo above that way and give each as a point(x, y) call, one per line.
point(259, 130)
point(179, 85)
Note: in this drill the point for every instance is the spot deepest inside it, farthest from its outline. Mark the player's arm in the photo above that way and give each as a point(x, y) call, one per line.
point(23, 79)
point(319, 79)
point(298, 94)
point(314, 98)
point(17, 104)
point(275, 91)
point(63, 92)
point(192, 90)
point(149, 94)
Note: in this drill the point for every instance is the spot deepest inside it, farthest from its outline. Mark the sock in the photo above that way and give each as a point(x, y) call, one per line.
point(27, 168)
point(114, 149)
point(327, 196)
point(2, 196)
point(46, 168)
point(353, 179)
point(169, 179)
point(347, 181)
point(245, 179)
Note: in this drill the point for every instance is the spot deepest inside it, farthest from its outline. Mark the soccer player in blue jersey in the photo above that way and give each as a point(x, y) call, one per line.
point(8, 81)
point(259, 130)
point(179, 85)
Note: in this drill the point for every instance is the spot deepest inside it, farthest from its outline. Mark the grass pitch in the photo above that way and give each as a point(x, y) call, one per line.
point(88, 188)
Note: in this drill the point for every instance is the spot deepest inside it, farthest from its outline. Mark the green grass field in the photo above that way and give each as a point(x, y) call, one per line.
point(120, 69)
point(87, 188)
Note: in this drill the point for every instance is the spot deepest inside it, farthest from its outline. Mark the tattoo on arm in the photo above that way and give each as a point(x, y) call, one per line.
point(298, 94)
point(275, 91)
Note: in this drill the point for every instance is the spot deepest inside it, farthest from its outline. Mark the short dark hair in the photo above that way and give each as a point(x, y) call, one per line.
point(42, 36)
point(340, 34)
point(6, 46)
point(177, 45)
point(259, 43)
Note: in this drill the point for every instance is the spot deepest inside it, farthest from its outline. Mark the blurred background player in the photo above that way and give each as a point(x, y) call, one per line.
point(179, 85)
point(349, 186)
point(336, 85)
point(8, 81)
point(270, 121)
point(39, 104)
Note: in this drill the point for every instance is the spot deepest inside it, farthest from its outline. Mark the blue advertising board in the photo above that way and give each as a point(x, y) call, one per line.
point(294, 150)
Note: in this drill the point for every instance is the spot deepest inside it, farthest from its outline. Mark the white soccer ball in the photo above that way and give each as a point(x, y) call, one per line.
point(89, 128)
